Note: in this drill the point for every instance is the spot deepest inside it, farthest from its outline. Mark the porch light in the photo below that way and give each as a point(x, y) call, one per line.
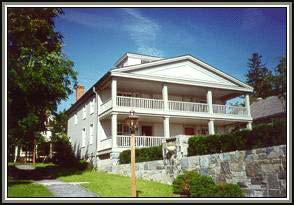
point(132, 121)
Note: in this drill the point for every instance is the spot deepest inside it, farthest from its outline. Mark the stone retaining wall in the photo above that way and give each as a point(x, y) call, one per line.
point(260, 172)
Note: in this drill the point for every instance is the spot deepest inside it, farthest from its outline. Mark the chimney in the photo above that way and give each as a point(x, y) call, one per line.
point(79, 91)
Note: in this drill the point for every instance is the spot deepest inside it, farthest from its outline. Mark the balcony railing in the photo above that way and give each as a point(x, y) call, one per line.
point(139, 102)
point(180, 106)
point(230, 110)
point(140, 141)
point(187, 106)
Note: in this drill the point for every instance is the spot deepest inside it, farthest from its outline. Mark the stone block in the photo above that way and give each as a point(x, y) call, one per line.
point(253, 169)
point(274, 193)
point(282, 174)
point(204, 161)
point(225, 168)
point(272, 181)
point(237, 166)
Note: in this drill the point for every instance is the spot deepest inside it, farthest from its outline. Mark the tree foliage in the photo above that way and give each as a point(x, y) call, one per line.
point(39, 74)
point(258, 76)
point(280, 78)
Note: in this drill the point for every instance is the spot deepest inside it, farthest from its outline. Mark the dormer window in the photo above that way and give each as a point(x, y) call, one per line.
point(145, 61)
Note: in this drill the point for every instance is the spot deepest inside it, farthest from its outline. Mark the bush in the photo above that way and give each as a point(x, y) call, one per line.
point(64, 155)
point(263, 135)
point(142, 155)
point(193, 184)
point(229, 190)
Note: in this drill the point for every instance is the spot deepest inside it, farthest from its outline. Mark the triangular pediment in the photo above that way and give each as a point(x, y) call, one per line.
point(185, 70)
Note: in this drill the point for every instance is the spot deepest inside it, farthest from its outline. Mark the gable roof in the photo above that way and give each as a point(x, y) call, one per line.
point(267, 107)
point(134, 70)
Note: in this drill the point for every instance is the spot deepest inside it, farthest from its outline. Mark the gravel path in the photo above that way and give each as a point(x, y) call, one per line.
point(66, 189)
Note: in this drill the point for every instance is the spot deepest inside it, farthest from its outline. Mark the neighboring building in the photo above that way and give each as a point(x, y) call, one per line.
point(173, 96)
point(268, 109)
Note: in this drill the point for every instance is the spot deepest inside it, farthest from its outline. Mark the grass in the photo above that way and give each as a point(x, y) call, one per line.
point(26, 188)
point(112, 185)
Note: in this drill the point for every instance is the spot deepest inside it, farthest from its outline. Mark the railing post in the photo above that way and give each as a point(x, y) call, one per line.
point(209, 101)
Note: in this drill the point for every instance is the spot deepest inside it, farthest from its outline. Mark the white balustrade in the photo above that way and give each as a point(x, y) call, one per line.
point(187, 106)
point(230, 110)
point(181, 106)
point(140, 141)
point(106, 106)
point(139, 102)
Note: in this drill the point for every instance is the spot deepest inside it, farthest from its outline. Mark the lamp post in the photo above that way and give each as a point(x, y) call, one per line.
point(132, 121)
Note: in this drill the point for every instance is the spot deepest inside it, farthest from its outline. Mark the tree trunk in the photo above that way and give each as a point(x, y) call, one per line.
point(50, 151)
point(15, 153)
point(34, 152)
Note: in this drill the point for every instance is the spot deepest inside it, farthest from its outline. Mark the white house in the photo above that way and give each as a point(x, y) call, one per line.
point(171, 96)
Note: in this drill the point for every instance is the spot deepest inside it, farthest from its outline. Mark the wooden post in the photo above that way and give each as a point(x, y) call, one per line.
point(133, 166)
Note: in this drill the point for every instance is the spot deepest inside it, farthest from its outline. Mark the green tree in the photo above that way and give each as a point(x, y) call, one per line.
point(280, 78)
point(39, 74)
point(259, 77)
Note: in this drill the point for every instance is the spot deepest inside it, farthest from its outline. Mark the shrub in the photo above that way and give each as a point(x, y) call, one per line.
point(64, 155)
point(229, 190)
point(142, 155)
point(193, 184)
point(262, 135)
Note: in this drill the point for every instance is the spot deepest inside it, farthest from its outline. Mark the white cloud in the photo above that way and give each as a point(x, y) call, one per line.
point(143, 32)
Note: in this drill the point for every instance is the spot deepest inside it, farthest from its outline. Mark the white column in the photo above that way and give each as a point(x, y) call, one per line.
point(166, 127)
point(113, 92)
point(209, 101)
point(247, 104)
point(211, 127)
point(114, 129)
point(165, 96)
point(249, 125)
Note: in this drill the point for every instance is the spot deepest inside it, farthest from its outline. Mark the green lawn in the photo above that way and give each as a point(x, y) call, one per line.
point(26, 188)
point(111, 185)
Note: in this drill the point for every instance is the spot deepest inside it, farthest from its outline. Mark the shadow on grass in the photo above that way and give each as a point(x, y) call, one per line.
point(39, 173)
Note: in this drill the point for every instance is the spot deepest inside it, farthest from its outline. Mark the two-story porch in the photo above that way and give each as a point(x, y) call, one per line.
point(164, 110)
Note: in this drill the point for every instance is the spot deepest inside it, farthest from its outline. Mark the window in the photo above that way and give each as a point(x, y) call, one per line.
point(92, 104)
point(83, 137)
point(84, 112)
point(76, 119)
point(189, 131)
point(145, 61)
point(91, 134)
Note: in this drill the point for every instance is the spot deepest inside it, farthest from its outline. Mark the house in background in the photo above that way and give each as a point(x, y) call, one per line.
point(268, 109)
point(171, 96)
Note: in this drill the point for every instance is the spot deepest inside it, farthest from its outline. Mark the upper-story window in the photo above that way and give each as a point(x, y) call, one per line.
point(91, 134)
point(84, 112)
point(76, 119)
point(92, 106)
point(144, 61)
point(83, 137)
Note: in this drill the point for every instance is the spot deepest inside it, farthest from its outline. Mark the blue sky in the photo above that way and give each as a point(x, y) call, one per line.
point(94, 38)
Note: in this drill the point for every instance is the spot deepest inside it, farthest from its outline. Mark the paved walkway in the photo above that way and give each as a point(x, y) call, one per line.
point(59, 188)
point(66, 189)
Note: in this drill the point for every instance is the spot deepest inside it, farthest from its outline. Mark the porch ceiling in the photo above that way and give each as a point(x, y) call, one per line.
point(144, 86)
point(178, 120)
